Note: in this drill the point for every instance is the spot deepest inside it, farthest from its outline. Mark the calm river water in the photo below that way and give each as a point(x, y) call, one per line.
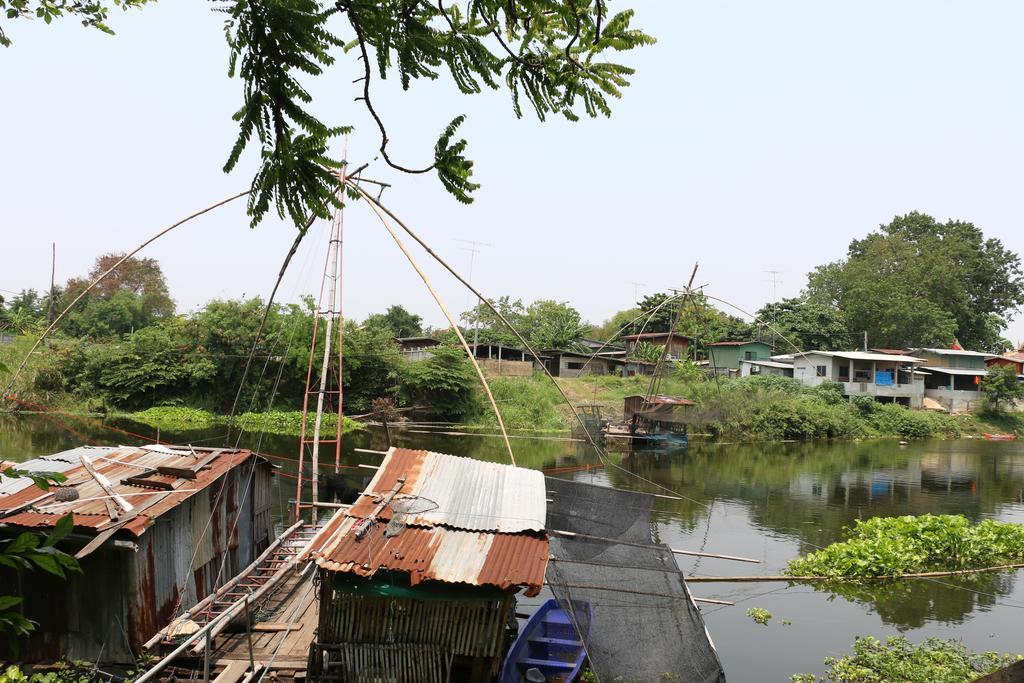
point(767, 501)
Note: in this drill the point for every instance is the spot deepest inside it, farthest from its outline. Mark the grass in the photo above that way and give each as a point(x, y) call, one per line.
point(885, 546)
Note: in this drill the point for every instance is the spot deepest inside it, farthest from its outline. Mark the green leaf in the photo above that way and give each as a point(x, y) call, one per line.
point(64, 526)
point(24, 542)
point(8, 601)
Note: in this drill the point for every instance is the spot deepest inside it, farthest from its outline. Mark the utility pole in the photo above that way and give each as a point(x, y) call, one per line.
point(636, 289)
point(474, 249)
point(775, 281)
point(865, 341)
point(53, 277)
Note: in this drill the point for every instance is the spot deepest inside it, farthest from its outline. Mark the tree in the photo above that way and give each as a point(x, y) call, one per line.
point(551, 324)
point(1001, 387)
point(373, 365)
point(654, 319)
point(610, 329)
point(401, 322)
point(444, 384)
point(918, 282)
point(551, 53)
point(133, 296)
point(151, 366)
point(809, 325)
point(489, 328)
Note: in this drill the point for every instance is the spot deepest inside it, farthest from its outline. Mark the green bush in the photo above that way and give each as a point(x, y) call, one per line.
point(894, 419)
point(884, 546)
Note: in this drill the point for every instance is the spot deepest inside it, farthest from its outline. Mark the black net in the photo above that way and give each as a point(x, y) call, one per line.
point(643, 624)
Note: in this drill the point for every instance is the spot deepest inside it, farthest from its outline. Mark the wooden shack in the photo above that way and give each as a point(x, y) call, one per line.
point(418, 578)
point(179, 520)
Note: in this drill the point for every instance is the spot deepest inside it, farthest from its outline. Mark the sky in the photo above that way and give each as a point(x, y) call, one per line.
point(755, 137)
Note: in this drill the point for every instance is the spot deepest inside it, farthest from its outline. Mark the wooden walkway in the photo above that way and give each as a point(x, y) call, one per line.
point(281, 634)
point(283, 619)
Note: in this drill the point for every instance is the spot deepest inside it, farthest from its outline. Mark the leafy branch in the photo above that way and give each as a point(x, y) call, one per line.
point(31, 551)
point(552, 53)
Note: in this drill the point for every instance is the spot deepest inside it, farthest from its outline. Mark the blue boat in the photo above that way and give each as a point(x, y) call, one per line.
point(549, 644)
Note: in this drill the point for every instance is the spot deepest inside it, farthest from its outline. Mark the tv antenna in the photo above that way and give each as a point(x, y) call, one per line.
point(473, 247)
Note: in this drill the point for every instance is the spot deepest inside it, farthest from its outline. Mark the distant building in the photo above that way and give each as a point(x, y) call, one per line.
point(417, 348)
point(954, 377)
point(498, 359)
point(724, 357)
point(765, 367)
point(678, 344)
point(561, 363)
point(885, 377)
point(1013, 359)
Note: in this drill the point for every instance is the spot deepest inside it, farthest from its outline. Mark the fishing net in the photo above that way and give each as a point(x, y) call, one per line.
point(642, 623)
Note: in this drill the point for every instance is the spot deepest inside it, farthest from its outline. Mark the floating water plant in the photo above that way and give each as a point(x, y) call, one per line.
point(887, 546)
point(932, 661)
point(759, 615)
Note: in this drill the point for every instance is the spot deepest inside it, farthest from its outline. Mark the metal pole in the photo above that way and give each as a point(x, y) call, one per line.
point(53, 276)
point(248, 635)
point(206, 659)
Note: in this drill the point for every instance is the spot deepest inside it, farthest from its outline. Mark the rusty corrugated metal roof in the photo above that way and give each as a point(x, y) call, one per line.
point(466, 521)
point(29, 506)
point(461, 493)
point(476, 558)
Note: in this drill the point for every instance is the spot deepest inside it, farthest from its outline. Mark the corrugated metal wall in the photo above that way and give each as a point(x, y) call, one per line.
point(122, 597)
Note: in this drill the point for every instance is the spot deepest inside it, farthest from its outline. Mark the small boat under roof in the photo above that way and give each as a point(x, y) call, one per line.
point(549, 648)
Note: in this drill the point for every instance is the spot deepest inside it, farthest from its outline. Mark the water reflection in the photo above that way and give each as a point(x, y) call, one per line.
point(771, 501)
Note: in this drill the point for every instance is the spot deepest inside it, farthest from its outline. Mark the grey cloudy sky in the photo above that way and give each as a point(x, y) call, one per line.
point(756, 136)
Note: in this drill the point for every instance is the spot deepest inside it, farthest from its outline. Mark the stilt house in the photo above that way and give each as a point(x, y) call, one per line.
point(154, 528)
point(418, 578)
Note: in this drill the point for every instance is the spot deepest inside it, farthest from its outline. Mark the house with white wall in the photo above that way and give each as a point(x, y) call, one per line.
point(883, 376)
point(954, 377)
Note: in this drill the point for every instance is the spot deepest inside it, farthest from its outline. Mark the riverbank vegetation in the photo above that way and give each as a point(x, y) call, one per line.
point(933, 661)
point(177, 419)
point(125, 350)
point(887, 546)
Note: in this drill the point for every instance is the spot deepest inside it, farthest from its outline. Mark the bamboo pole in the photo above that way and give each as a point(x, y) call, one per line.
point(133, 252)
point(447, 314)
point(806, 579)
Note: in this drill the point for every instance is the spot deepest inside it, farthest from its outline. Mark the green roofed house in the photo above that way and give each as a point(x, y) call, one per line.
point(724, 357)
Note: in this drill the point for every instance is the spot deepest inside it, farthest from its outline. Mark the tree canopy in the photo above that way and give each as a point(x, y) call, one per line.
point(401, 322)
point(808, 324)
point(131, 297)
point(553, 55)
point(918, 282)
point(546, 324)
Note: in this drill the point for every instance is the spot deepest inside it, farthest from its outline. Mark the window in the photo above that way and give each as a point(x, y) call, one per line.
point(574, 365)
point(821, 371)
point(844, 372)
point(750, 355)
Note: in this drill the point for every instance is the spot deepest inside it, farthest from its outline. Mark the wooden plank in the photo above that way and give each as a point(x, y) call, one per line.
point(146, 482)
point(233, 672)
point(270, 626)
point(180, 472)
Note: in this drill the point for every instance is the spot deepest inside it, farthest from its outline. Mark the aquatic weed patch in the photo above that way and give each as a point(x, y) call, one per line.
point(898, 660)
point(885, 546)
